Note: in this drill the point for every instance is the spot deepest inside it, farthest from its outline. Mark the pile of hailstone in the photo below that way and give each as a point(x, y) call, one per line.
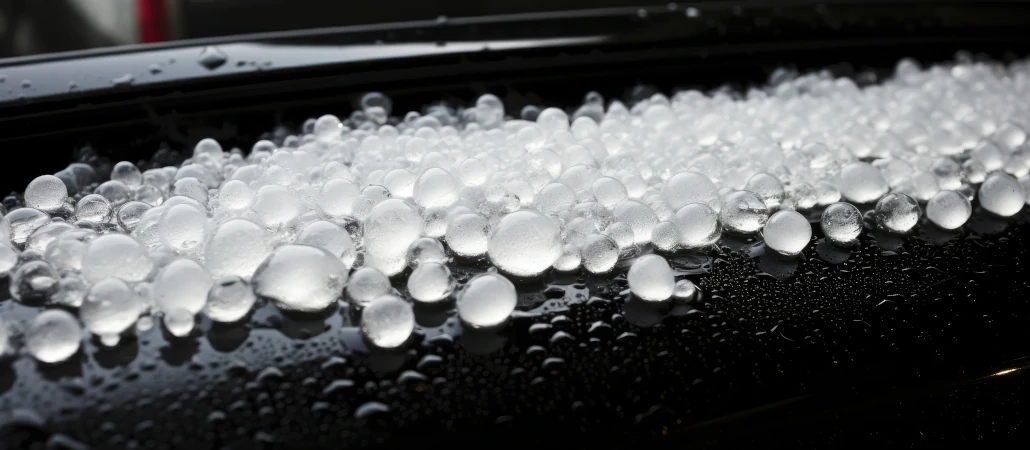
point(351, 208)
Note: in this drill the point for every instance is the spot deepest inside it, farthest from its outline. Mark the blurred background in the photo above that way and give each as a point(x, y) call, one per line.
point(29, 27)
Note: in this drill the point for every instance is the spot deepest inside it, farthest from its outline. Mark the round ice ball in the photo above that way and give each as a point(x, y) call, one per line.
point(787, 233)
point(1001, 194)
point(897, 212)
point(387, 321)
point(524, 243)
point(46, 193)
point(650, 278)
point(862, 183)
point(948, 209)
point(486, 300)
point(301, 278)
point(841, 223)
point(53, 336)
point(743, 212)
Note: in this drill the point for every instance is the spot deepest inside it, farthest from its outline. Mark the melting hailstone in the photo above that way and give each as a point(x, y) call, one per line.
point(390, 229)
point(787, 232)
point(366, 284)
point(430, 282)
point(524, 243)
point(841, 223)
point(236, 248)
point(650, 278)
point(229, 300)
point(182, 284)
point(387, 321)
point(301, 278)
point(486, 300)
point(948, 209)
point(897, 213)
point(53, 336)
point(110, 308)
point(1001, 194)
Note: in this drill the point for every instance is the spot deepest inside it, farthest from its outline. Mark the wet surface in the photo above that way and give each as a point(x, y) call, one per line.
point(921, 336)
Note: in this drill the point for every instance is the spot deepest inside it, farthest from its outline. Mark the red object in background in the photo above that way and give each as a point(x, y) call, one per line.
point(152, 19)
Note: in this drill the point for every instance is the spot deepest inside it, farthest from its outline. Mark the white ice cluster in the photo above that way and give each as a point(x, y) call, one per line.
point(335, 213)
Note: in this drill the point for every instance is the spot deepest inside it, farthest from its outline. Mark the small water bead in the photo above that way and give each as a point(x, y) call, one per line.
point(841, 223)
point(426, 250)
point(22, 222)
point(390, 229)
point(276, 206)
point(650, 278)
point(115, 192)
point(1001, 194)
point(184, 284)
point(46, 193)
point(787, 233)
point(53, 336)
point(685, 290)
point(949, 209)
point(93, 208)
point(768, 188)
point(237, 248)
point(897, 213)
point(665, 236)
point(229, 300)
point(467, 235)
point(301, 278)
point(130, 213)
point(743, 212)
point(688, 187)
point(110, 307)
point(127, 173)
point(366, 284)
point(487, 300)
point(179, 322)
point(182, 228)
point(235, 195)
point(436, 187)
point(862, 183)
point(33, 280)
point(387, 321)
point(524, 243)
point(430, 282)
